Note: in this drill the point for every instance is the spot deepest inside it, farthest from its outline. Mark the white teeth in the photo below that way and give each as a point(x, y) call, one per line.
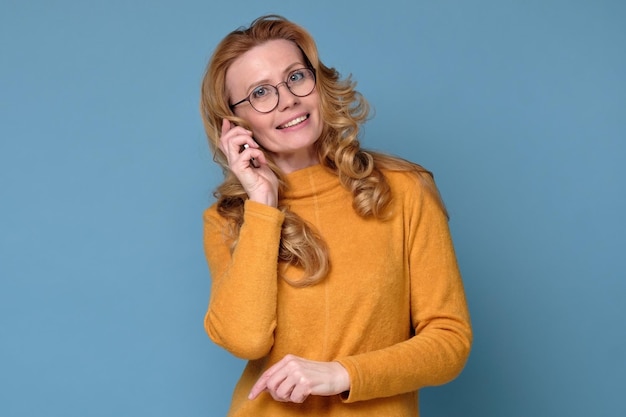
point(294, 122)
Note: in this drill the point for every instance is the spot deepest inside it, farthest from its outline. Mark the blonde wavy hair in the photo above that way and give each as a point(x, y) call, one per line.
point(343, 110)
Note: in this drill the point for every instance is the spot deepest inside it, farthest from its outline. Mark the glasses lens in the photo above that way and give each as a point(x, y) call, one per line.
point(301, 82)
point(264, 98)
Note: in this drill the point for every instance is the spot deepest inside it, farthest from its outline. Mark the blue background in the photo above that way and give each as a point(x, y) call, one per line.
point(518, 107)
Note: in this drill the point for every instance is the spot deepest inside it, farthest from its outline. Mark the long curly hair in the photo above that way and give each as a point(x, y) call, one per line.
point(343, 110)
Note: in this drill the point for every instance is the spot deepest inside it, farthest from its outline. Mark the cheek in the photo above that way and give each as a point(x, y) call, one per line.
point(261, 131)
point(257, 123)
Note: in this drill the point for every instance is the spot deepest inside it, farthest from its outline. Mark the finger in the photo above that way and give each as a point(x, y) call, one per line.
point(281, 386)
point(282, 393)
point(222, 141)
point(259, 386)
point(256, 390)
point(232, 145)
point(278, 385)
point(262, 383)
point(248, 157)
point(255, 153)
point(254, 158)
point(226, 126)
point(300, 392)
point(244, 147)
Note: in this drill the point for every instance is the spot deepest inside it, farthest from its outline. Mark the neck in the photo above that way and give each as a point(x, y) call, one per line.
point(289, 163)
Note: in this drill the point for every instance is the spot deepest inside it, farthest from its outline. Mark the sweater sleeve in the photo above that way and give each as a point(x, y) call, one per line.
point(439, 349)
point(241, 316)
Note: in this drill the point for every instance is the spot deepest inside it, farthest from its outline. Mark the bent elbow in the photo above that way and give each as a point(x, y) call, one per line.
point(458, 347)
point(249, 344)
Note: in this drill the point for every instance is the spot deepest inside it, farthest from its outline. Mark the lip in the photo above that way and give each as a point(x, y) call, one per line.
point(291, 119)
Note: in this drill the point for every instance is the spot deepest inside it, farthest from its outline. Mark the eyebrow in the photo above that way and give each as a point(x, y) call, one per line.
point(265, 81)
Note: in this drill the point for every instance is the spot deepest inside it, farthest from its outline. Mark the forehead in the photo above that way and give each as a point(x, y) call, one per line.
point(267, 61)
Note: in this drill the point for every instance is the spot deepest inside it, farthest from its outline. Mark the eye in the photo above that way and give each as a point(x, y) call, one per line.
point(260, 92)
point(297, 76)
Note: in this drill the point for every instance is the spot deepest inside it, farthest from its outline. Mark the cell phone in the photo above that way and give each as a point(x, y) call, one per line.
point(253, 161)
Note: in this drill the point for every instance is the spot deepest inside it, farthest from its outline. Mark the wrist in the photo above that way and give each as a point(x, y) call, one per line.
point(268, 200)
point(342, 379)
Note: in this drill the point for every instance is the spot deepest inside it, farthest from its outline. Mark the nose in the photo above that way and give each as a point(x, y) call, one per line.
point(286, 98)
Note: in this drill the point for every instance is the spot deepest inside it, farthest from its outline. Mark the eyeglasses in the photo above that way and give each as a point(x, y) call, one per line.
point(264, 98)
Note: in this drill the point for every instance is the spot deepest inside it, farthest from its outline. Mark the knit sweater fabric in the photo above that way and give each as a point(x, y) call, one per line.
point(392, 309)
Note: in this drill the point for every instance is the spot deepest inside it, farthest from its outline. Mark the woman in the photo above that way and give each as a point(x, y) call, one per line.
point(333, 272)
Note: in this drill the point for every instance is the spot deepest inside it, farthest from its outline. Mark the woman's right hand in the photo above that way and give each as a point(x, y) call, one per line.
point(260, 182)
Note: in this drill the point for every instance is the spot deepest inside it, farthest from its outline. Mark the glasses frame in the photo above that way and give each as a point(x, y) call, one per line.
point(232, 106)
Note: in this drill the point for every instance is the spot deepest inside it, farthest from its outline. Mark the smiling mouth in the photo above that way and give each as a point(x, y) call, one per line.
point(294, 122)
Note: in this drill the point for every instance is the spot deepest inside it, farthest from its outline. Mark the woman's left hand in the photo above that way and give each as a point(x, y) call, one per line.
point(293, 379)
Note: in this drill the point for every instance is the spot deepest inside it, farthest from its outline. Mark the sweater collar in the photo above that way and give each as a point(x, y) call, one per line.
point(310, 181)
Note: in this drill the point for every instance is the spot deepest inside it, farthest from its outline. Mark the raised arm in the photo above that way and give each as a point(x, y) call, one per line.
point(241, 316)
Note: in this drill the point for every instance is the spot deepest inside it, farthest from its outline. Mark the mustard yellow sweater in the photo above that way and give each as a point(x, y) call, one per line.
point(392, 310)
